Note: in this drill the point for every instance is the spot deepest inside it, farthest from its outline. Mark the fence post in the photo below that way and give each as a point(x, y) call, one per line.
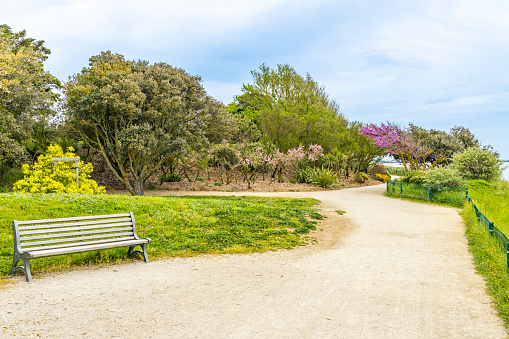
point(490, 227)
point(400, 190)
point(429, 193)
point(387, 187)
point(507, 249)
point(466, 192)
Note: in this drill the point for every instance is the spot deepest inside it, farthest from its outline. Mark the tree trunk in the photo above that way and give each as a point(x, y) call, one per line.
point(138, 188)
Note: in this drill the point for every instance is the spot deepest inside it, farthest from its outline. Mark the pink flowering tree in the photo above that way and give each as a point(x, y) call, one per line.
point(396, 142)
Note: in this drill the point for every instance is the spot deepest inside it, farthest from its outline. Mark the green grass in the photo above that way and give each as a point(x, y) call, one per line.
point(441, 195)
point(489, 256)
point(178, 226)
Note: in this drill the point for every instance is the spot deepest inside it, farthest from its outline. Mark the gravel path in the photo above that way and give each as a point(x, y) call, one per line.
point(386, 269)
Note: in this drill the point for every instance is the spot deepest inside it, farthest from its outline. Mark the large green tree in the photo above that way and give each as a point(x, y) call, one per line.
point(291, 109)
point(134, 113)
point(443, 145)
point(27, 92)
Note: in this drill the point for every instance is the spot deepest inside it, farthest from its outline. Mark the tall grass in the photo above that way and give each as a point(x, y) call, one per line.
point(490, 259)
point(452, 196)
point(178, 226)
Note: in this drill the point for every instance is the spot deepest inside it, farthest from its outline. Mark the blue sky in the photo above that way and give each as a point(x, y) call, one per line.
point(434, 63)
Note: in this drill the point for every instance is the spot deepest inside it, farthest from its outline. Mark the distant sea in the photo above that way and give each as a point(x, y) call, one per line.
point(505, 173)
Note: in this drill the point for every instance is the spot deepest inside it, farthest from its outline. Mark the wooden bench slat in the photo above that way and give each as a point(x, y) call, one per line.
point(83, 243)
point(56, 241)
point(91, 217)
point(74, 249)
point(69, 229)
point(73, 235)
point(97, 222)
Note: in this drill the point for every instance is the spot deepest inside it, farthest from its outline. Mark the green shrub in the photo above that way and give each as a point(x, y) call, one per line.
point(45, 177)
point(304, 175)
point(475, 163)
point(361, 177)
point(413, 177)
point(443, 176)
point(171, 177)
point(479, 184)
point(323, 177)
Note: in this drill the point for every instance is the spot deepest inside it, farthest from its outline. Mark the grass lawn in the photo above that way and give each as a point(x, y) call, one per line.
point(178, 226)
point(490, 259)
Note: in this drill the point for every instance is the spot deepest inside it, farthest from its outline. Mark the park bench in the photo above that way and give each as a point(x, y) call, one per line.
point(49, 237)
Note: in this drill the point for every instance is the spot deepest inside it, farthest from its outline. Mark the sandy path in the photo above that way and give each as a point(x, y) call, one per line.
point(385, 269)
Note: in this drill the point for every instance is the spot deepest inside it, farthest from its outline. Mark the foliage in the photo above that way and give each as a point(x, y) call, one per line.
point(45, 177)
point(378, 168)
point(476, 163)
point(492, 200)
point(441, 143)
point(359, 150)
point(27, 92)
point(170, 177)
point(178, 226)
point(413, 177)
point(443, 176)
point(397, 143)
point(382, 177)
point(361, 177)
point(334, 160)
point(322, 177)
point(132, 112)
point(290, 109)
point(450, 196)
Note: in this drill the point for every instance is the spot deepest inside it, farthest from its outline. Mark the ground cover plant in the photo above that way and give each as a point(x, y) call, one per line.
point(178, 226)
point(491, 261)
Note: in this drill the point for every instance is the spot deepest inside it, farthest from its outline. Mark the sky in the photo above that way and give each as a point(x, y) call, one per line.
point(434, 63)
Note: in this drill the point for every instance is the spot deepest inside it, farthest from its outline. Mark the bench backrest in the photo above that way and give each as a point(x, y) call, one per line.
point(33, 235)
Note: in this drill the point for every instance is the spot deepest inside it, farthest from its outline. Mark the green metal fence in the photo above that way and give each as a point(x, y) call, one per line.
point(448, 195)
point(492, 229)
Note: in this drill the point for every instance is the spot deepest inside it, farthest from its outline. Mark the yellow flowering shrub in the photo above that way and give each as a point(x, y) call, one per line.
point(45, 177)
point(382, 177)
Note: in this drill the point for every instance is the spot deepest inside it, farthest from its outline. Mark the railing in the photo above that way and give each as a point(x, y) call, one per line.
point(492, 229)
point(447, 195)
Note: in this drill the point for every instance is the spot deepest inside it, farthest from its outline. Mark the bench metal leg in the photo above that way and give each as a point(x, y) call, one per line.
point(25, 268)
point(143, 252)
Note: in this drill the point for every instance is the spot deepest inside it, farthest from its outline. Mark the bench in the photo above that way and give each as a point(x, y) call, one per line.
point(49, 237)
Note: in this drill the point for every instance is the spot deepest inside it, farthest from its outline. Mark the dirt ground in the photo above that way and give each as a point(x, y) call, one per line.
point(385, 269)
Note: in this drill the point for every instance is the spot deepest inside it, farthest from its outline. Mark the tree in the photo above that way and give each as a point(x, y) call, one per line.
point(290, 109)
point(441, 143)
point(476, 163)
point(132, 112)
point(27, 93)
point(396, 142)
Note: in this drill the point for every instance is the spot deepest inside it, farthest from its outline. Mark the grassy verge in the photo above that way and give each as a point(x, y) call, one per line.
point(489, 258)
point(178, 226)
point(441, 195)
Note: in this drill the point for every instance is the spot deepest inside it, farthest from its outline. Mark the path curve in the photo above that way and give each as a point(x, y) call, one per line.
point(386, 269)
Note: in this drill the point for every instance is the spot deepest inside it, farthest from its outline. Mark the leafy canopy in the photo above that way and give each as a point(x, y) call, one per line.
point(27, 92)
point(134, 113)
point(290, 109)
